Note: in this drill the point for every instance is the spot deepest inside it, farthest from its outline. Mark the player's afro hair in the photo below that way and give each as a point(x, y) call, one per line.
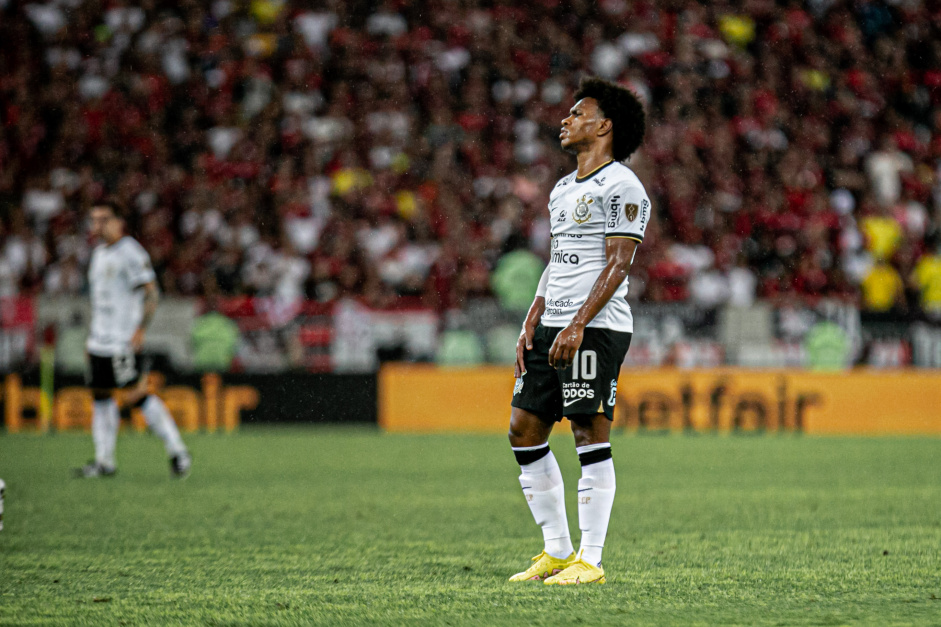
point(623, 108)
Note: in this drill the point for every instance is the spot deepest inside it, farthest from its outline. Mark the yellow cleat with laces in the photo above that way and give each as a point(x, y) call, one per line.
point(544, 565)
point(578, 573)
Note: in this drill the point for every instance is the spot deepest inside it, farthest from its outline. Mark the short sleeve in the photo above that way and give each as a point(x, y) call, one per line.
point(627, 212)
point(139, 269)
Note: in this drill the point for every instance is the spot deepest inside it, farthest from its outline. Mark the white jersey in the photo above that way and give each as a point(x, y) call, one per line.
point(115, 275)
point(609, 202)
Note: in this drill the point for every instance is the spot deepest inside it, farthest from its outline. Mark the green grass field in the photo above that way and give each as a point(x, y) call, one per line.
point(337, 526)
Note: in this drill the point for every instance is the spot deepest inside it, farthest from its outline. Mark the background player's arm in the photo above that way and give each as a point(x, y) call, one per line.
point(525, 341)
point(619, 252)
point(151, 298)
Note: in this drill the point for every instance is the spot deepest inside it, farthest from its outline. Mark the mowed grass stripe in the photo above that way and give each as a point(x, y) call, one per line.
point(351, 526)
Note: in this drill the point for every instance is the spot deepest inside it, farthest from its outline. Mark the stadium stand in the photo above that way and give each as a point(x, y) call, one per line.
point(395, 152)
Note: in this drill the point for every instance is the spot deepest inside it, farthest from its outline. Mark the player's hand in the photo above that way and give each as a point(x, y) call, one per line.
point(525, 343)
point(137, 340)
point(565, 346)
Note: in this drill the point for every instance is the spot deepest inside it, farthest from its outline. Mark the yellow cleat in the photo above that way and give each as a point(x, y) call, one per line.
point(579, 572)
point(544, 565)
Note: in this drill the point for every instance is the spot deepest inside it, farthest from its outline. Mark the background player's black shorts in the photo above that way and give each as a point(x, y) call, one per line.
point(588, 386)
point(118, 371)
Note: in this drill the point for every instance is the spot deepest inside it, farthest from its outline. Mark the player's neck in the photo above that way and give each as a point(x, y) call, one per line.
point(591, 160)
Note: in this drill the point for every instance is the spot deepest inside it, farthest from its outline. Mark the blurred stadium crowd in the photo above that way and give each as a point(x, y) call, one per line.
point(400, 150)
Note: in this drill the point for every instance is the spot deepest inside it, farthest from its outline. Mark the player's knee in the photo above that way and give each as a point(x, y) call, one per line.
point(590, 429)
point(101, 395)
point(514, 435)
point(517, 430)
point(527, 429)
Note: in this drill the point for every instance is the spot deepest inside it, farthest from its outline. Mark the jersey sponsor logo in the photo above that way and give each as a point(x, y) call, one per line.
point(582, 211)
point(560, 256)
point(644, 212)
point(574, 392)
point(558, 307)
point(600, 182)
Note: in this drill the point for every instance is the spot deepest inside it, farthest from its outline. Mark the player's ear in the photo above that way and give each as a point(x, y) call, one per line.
point(605, 127)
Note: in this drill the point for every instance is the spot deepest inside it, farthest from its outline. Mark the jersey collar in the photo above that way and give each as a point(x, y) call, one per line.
point(593, 172)
point(115, 243)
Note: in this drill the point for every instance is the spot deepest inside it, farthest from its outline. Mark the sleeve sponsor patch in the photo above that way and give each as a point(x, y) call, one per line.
point(615, 204)
point(627, 212)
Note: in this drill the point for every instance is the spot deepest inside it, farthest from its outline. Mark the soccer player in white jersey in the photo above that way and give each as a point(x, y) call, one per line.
point(123, 299)
point(578, 330)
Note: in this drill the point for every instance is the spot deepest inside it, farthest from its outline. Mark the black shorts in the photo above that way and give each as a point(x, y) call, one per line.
point(588, 386)
point(118, 371)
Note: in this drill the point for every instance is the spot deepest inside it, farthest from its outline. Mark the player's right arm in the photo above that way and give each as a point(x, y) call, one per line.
point(536, 310)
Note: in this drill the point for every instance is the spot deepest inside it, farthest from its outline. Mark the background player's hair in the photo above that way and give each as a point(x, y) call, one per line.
point(120, 210)
point(116, 206)
point(623, 108)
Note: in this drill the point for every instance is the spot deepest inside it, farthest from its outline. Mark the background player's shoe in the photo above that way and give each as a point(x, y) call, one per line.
point(579, 572)
point(180, 465)
point(93, 469)
point(544, 565)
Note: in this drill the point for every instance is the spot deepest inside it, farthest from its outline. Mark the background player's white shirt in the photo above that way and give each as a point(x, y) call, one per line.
point(115, 276)
point(609, 202)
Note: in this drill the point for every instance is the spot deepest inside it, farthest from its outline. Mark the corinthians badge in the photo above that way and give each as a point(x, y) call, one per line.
point(582, 211)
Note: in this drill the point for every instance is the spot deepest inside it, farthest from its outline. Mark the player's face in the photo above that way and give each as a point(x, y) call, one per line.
point(105, 225)
point(581, 127)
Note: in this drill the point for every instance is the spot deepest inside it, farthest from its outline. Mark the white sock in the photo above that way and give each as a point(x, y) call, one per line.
point(104, 431)
point(595, 499)
point(544, 490)
point(161, 423)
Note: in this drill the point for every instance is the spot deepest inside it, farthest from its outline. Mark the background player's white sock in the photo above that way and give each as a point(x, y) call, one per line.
point(544, 490)
point(104, 431)
point(162, 424)
point(595, 499)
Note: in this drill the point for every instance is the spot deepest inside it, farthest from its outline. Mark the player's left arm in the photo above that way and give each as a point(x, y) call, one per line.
point(151, 299)
point(141, 275)
point(619, 252)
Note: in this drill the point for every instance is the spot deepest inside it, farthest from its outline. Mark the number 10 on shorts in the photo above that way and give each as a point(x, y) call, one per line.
point(587, 361)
